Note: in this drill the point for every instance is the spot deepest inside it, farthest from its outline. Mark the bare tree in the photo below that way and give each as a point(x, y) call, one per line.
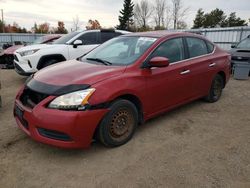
point(76, 23)
point(159, 12)
point(168, 17)
point(142, 13)
point(181, 25)
point(178, 12)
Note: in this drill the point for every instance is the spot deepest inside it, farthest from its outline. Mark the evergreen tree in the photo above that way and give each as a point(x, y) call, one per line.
point(216, 18)
point(199, 19)
point(233, 21)
point(126, 17)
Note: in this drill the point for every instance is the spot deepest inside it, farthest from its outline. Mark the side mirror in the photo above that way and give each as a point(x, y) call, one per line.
point(233, 46)
point(159, 62)
point(77, 43)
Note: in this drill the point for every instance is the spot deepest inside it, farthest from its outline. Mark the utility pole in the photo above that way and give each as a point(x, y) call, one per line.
point(2, 19)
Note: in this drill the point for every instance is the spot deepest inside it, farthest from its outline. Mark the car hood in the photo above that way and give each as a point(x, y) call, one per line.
point(240, 52)
point(75, 72)
point(12, 49)
point(37, 46)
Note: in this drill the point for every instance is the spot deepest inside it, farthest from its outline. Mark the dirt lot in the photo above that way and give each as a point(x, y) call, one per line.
point(197, 145)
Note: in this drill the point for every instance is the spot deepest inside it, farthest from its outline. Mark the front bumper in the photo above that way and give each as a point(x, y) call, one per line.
point(20, 71)
point(23, 66)
point(66, 129)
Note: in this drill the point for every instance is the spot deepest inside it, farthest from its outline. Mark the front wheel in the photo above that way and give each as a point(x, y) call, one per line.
point(216, 89)
point(119, 124)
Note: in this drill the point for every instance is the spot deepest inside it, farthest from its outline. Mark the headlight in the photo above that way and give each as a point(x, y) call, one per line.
point(72, 101)
point(28, 52)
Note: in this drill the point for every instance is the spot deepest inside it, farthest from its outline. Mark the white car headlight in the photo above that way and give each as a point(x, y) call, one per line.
point(28, 52)
point(75, 100)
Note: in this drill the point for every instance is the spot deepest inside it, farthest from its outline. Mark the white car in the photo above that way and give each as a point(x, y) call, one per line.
point(30, 59)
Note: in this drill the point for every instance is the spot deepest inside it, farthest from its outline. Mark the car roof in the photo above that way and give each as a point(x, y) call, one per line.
point(163, 33)
point(104, 30)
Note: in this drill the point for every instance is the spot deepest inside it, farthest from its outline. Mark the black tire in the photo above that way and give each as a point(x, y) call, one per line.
point(49, 62)
point(119, 124)
point(216, 89)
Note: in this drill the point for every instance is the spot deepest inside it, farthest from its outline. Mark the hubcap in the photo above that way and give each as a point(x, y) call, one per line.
point(121, 125)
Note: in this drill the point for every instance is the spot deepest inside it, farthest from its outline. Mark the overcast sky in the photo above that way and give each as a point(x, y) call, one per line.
point(27, 12)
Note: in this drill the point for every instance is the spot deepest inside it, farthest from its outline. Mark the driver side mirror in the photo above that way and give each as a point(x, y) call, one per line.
point(77, 43)
point(233, 46)
point(158, 62)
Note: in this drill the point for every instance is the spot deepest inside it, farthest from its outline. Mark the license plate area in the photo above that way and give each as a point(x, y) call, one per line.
point(19, 113)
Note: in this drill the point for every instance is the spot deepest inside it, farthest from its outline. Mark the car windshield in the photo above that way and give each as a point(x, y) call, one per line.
point(122, 50)
point(244, 44)
point(39, 40)
point(65, 38)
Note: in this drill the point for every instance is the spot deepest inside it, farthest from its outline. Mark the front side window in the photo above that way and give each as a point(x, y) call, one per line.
point(196, 47)
point(121, 50)
point(172, 49)
point(89, 38)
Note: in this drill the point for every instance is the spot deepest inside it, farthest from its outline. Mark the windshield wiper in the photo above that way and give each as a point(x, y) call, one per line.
point(100, 61)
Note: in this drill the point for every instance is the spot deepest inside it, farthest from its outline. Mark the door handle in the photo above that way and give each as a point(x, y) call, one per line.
point(212, 64)
point(185, 72)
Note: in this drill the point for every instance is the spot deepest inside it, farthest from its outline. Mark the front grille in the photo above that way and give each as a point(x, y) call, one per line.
point(9, 59)
point(54, 134)
point(239, 58)
point(19, 114)
point(31, 98)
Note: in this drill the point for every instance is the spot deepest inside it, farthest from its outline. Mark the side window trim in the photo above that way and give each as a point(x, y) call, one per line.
point(207, 42)
point(184, 51)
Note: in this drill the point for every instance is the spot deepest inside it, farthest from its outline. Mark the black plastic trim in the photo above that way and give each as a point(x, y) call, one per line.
point(54, 134)
point(20, 71)
point(54, 90)
point(60, 57)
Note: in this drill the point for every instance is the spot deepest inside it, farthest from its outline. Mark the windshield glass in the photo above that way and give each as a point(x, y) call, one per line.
point(244, 44)
point(121, 50)
point(65, 38)
point(39, 40)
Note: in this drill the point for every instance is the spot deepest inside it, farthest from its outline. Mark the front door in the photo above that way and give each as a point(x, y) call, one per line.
point(172, 85)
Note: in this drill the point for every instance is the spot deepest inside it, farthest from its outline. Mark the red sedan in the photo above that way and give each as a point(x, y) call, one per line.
point(105, 94)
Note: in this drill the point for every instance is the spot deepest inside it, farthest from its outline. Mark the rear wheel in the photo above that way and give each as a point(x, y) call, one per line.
point(119, 124)
point(216, 89)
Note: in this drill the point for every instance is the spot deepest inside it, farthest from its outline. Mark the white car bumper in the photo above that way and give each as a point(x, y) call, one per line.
point(23, 65)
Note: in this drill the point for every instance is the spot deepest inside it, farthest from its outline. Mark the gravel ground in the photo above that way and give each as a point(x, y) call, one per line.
point(197, 145)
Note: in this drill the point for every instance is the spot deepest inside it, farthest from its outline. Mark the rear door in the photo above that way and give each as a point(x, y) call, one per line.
point(169, 86)
point(90, 41)
point(201, 63)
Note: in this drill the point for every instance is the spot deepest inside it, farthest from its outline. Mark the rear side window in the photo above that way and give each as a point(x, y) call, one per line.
point(210, 47)
point(196, 47)
point(105, 36)
point(172, 49)
point(89, 38)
